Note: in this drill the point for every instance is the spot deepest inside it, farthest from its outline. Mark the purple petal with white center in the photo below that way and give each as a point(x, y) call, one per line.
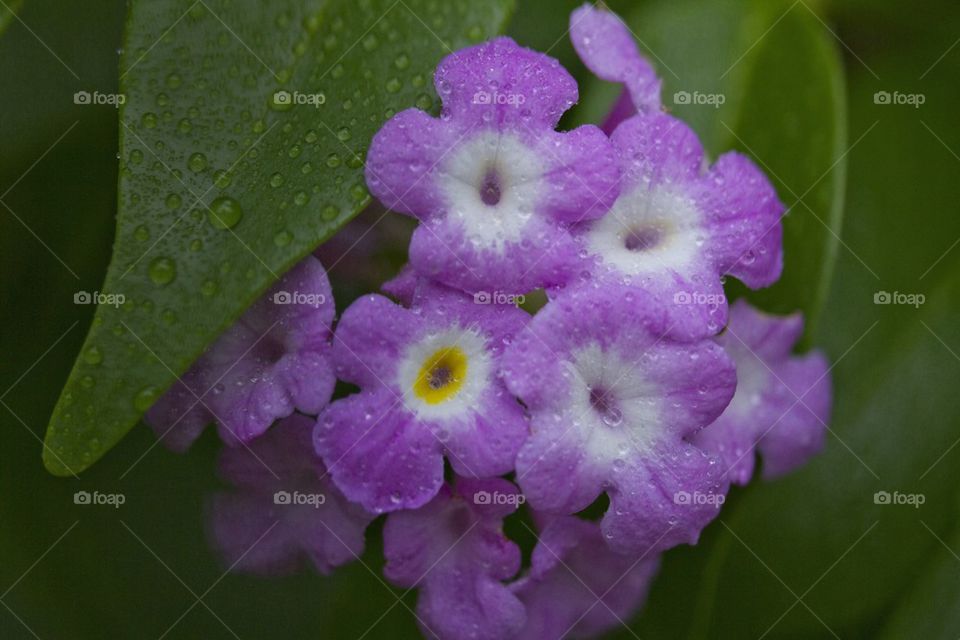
point(676, 229)
point(385, 446)
point(577, 587)
point(273, 360)
point(492, 181)
point(782, 400)
point(283, 510)
point(454, 550)
point(613, 394)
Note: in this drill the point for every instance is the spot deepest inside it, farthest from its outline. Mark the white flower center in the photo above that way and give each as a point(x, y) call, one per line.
point(492, 184)
point(444, 375)
point(614, 401)
point(648, 231)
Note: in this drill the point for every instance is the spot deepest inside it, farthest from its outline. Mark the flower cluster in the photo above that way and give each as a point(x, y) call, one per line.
point(616, 416)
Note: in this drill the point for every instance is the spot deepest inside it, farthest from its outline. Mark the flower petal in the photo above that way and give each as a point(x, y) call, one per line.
point(743, 214)
point(503, 83)
point(609, 50)
point(273, 360)
point(663, 498)
point(283, 509)
point(577, 587)
point(455, 551)
point(376, 453)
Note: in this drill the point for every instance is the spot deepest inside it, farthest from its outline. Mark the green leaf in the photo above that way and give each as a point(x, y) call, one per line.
point(8, 12)
point(819, 533)
point(930, 607)
point(763, 78)
point(225, 183)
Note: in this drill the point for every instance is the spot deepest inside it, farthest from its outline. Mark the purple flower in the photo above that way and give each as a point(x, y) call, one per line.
point(455, 551)
point(613, 393)
point(274, 359)
point(678, 226)
point(676, 230)
point(782, 401)
point(608, 49)
point(491, 180)
point(285, 509)
point(429, 386)
point(577, 587)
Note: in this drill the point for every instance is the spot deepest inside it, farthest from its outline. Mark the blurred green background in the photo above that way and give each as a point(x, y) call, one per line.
point(811, 556)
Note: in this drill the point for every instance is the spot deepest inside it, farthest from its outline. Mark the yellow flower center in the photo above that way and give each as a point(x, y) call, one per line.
point(441, 375)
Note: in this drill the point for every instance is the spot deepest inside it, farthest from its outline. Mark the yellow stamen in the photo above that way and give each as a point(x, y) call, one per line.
point(441, 376)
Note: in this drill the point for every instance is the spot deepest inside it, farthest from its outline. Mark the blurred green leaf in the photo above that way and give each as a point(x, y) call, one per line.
point(818, 533)
point(8, 12)
point(931, 608)
point(764, 78)
point(242, 140)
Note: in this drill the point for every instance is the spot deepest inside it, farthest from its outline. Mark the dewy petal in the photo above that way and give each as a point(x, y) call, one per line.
point(656, 149)
point(370, 339)
point(613, 394)
point(782, 400)
point(577, 587)
point(743, 215)
point(273, 360)
point(491, 180)
point(505, 84)
point(385, 446)
point(582, 175)
point(609, 50)
point(404, 159)
point(454, 550)
point(543, 255)
point(676, 230)
point(283, 510)
point(663, 497)
point(377, 453)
